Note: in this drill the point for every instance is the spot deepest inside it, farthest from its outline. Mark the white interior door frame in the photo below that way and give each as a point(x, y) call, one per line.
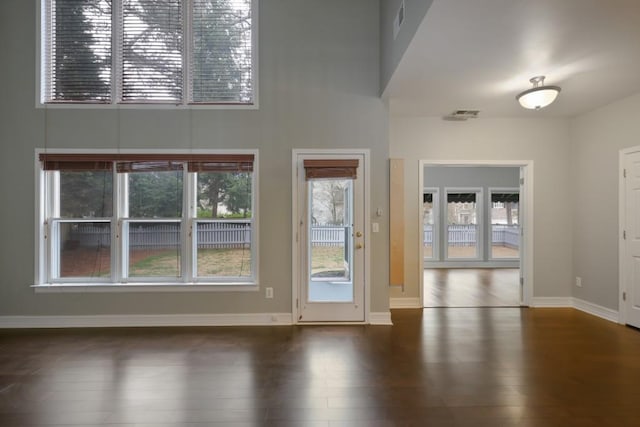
point(296, 241)
point(622, 223)
point(526, 254)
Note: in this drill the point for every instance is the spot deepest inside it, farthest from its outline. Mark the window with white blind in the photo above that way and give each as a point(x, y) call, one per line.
point(178, 52)
point(147, 219)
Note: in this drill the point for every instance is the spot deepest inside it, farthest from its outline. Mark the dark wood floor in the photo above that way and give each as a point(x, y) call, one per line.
point(437, 367)
point(471, 287)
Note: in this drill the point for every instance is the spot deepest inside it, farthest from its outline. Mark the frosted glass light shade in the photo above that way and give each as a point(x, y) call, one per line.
point(538, 97)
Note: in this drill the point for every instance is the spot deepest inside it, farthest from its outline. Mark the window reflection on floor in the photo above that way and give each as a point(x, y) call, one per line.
point(471, 287)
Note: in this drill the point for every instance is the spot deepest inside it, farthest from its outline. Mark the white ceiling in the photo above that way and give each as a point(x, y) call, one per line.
point(478, 54)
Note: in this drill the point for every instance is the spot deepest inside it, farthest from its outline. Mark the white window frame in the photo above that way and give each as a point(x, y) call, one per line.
point(499, 190)
point(435, 248)
point(479, 222)
point(115, 103)
point(46, 191)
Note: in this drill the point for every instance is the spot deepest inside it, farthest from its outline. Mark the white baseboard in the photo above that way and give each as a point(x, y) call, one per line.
point(596, 310)
point(380, 318)
point(160, 320)
point(405, 302)
point(543, 302)
point(578, 304)
point(133, 320)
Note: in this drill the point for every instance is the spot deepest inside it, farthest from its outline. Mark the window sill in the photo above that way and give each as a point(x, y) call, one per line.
point(146, 287)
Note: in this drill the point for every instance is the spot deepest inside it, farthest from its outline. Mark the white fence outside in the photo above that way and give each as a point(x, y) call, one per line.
point(465, 235)
point(215, 234)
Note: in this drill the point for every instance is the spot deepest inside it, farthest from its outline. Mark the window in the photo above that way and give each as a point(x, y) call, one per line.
point(179, 52)
point(462, 224)
point(505, 228)
point(429, 220)
point(147, 218)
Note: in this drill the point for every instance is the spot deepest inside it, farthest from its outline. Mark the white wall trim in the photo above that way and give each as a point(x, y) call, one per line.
point(255, 319)
point(596, 310)
point(152, 320)
point(168, 320)
point(380, 318)
point(546, 302)
point(405, 302)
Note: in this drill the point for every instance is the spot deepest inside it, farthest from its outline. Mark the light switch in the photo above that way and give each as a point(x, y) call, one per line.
point(375, 227)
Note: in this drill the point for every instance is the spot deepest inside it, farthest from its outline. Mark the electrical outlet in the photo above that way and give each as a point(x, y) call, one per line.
point(579, 282)
point(268, 292)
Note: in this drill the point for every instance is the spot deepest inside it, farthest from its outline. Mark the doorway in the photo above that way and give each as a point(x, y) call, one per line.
point(629, 243)
point(329, 260)
point(476, 229)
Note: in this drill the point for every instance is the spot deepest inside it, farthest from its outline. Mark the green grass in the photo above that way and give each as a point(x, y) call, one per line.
point(224, 262)
point(155, 264)
point(327, 260)
point(211, 263)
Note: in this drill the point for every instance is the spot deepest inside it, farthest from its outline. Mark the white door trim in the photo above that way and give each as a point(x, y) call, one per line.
point(622, 221)
point(526, 256)
point(296, 241)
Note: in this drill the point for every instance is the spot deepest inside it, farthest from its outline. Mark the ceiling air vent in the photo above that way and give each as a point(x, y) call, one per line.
point(461, 115)
point(398, 20)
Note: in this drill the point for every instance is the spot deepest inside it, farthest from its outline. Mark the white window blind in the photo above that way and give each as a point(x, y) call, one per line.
point(221, 60)
point(152, 50)
point(148, 51)
point(77, 49)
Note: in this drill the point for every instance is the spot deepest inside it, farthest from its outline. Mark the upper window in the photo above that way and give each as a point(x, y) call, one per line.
point(147, 218)
point(148, 51)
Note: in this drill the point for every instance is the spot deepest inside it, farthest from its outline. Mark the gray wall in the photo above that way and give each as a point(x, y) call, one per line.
point(543, 141)
point(319, 84)
point(391, 51)
point(596, 140)
point(441, 177)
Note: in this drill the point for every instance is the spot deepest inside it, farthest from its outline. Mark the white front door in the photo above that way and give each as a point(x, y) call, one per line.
point(632, 231)
point(330, 244)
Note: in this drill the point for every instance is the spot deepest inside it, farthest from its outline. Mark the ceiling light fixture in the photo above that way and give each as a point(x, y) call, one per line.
point(539, 96)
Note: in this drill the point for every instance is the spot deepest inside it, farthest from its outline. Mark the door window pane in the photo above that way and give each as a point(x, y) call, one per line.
point(462, 225)
point(330, 240)
point(428, 219)
point(505, 228)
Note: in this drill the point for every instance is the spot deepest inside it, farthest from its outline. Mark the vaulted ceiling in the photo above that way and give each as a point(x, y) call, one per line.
point(478, 54)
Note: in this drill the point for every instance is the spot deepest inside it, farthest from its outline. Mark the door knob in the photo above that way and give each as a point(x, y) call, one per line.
point(358, 233)
point(358, 246)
